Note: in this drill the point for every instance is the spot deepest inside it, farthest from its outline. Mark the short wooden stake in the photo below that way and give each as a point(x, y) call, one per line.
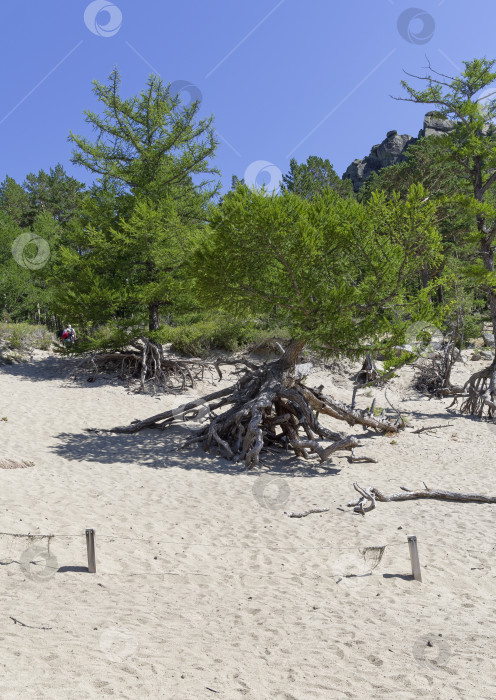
point(90, 548)
point(414, 557)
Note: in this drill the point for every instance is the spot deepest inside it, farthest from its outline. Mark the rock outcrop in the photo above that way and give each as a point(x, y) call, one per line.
point(392, 150)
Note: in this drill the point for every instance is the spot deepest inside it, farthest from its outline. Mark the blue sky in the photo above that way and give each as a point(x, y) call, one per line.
point(284, 78)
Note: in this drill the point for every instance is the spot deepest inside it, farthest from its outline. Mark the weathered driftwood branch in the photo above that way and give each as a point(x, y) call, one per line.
point(353, 459)
point(303, 514)
point(370, 495)
point(427, 428)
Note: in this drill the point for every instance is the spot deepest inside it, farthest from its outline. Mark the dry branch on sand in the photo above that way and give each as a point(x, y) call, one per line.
point(370, 495)
point(147, 364)
point(267, 406)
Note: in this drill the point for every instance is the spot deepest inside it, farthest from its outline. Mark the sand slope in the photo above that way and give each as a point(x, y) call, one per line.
point(205, 588)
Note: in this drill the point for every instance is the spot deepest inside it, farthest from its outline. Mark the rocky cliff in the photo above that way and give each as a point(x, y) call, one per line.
point(392, 150)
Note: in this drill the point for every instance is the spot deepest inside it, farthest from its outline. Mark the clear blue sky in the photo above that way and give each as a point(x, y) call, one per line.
point(284, 78)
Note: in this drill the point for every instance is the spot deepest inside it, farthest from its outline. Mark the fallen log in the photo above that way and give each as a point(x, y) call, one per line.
point(371, 495)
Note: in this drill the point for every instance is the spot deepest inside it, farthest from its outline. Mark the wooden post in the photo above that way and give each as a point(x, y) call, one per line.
point(90, 548)
point(414, 557)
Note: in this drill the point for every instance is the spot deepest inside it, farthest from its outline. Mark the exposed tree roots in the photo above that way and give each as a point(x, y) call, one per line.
point(147, 365)
point(268, 406)
point(434, 374)
point(370, 495)
point(481, 393)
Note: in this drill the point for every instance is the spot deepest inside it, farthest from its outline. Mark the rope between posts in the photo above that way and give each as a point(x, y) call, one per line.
point(36, 536)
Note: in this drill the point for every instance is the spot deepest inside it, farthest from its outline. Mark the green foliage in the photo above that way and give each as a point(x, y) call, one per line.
point(53, 193)
point(312, 178)
point(25, 337)
point(470, 150)
point(201, 338)
point(337, 271)
point(217, 331)
point(125, 263)
point(150, 144)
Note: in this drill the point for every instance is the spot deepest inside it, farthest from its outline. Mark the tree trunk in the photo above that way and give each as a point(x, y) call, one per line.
point(291, 353)
point(487, 250)
point(153, 316)
point(425, 276)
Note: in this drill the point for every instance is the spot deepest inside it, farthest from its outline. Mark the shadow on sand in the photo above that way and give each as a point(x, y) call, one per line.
point(163, 450)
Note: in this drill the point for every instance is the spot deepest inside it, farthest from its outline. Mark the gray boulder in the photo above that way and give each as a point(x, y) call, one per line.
point(488, 340)
point(392, 150)
point(435, 125)
point(388, 152)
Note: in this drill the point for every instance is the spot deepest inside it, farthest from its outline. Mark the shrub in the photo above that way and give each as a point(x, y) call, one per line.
point(25, 337)
point(201, 336)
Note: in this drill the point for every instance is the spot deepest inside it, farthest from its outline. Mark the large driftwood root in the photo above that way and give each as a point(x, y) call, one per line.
point(434, 374)
point(369, 495)
point(148, 365)
point(481, 393)
point(267, 407)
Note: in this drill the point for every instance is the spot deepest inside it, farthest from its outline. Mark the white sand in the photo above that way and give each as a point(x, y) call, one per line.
point(203, 591)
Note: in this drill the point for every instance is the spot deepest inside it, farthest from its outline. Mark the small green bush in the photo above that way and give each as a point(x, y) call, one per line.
point(25, 337)
point(199, 337)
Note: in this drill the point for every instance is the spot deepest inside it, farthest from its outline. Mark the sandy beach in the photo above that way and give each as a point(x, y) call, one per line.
point(204, 587)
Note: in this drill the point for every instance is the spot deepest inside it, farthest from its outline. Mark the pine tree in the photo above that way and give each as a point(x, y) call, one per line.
point(152, 155)
point(470, 146)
